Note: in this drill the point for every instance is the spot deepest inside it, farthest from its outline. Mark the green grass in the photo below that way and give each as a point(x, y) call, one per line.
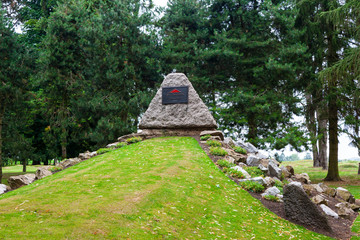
point(15, 171)
point(163, 188)
point(348, 172)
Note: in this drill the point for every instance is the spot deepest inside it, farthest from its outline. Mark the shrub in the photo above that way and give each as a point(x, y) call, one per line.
point(213, 143)
point(224, 163)
point(120, 144)
point(252, 186)
point(205, 137)
point(239, 150)
point(103, 150)
point(234, 173)
point(271, 198)
point(218, 151)
point(278, 184)
point(133, 140)
point(55, 169)
point(254, 171)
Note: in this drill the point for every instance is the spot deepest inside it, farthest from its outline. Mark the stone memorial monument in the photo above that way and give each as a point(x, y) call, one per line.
point(177, 109)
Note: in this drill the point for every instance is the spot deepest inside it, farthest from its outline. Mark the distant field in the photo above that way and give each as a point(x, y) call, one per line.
point(163, 188)
point(15, 171)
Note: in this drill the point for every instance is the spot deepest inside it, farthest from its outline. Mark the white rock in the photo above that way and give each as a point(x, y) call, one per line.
point(253, 160)
point(243, 171)
point(274, 170)
point(329, 211)
point(251, 148)
point(3, 188)
point(273, 191)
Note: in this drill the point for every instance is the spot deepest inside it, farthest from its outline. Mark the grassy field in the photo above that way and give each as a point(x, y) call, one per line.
point(348, 173)
point(15, 171)
point(163, 188)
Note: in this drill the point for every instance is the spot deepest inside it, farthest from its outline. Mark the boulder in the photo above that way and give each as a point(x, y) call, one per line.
point(303, 178)
point(69, 162)
point(3, 188)
point(290, 169)
point(343, 193)
point(354, 207)
point(243, 171)
point(318, 199)
point(273, 191)
point(299, 208)
point(285, 172)
point(328, 211)
point(269, 182)
point(263, 168)
point(229, 141)
point(86, 155)
point(112, 145)
point(274, 170)
point(318, 188)
point(22, 180)
point(308, 188)
point(237, 156)
point(262, 155)
point(344, 210)
point(230, 159)
point(253, 160)
point(240, 143)
point(42, 172)
point(331, 192)
point(250, 148)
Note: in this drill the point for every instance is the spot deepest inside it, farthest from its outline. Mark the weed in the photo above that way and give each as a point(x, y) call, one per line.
point(224, 163)
point(239, 150)
point(252, 186)
point(205, 137)
point(134, 140)
point(120, 145)
point(103, 150)
point(271, 198)
point(213, 143)
point(55, 169)
point(218, 151)
point(254, 171)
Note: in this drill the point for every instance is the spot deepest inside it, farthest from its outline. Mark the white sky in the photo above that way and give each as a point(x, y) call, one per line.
point(161, 3)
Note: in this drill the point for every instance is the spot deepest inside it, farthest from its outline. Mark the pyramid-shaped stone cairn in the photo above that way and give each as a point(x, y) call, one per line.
point(177, 109)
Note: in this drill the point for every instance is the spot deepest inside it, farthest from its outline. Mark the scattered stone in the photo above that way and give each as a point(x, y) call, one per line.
point(318, 199)
point(243, 171)
point(22, 180)
point(3, 188)
point(240, 143)
point(351, 199)
point(230, 159)
point(242, 165)
point(262, 155)
point(251, 148)
point(318, 188)
point(328, 211)
point(354, 207)
point(69, 162)
point(331, 192)
point(285, 173)
point(229, 141)
point(290, 169)
point(274, 170)
point(263, 168)
point(42, 172)
point(86, 155)
point(343, 193)
point(273, 191)
point(299, 208)
point(111, 145)
point(269, 181)
point(303, 178)
point(217, 138)
point(344, 210)
point(308, 188)
point(253, 160)
point(255, 179)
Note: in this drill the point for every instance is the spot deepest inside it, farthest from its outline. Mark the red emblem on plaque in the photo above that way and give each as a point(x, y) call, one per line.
point(175, 91)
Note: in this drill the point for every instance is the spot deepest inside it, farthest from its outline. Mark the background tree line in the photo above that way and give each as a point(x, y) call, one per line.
point(81, 73)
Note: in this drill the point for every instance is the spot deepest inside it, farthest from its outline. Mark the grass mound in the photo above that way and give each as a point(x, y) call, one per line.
point(163, 188)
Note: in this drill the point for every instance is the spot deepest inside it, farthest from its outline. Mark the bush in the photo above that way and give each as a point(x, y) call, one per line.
point(224, 163)
point(205, 137)
point(103, 150)
point(233, 173)
point(278, 184)
point(218, 151)
point(55, 169)
point(252, 186)
point(120, 144)
point(271, 198)
point(133, 140)
point(239, 150)
point(254, 171)
point(213, 143)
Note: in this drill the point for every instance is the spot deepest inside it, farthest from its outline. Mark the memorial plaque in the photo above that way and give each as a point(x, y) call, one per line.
point(175, 95)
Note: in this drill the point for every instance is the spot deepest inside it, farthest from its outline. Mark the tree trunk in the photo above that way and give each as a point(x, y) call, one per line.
point(311, 126)
point(333, 171)
point(322, 133)
point(2, 112)
point(252, 129)
point(24, 165)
